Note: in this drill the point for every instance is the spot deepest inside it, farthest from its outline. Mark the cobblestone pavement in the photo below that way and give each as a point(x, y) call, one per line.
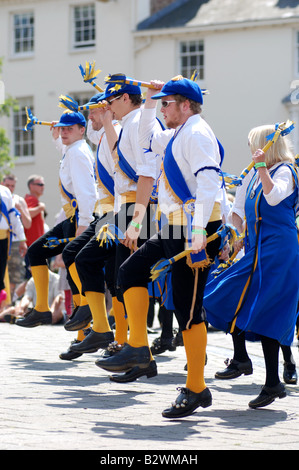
point(50, 404)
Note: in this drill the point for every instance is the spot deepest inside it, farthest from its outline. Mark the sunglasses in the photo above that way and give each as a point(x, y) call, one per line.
point(165, 104)
point(113, 99)
point(39, 184)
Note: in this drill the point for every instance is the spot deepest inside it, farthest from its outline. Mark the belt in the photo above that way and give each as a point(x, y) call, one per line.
point(128, 197)
point(178, 217)
point(4, 233)
point(105, 205)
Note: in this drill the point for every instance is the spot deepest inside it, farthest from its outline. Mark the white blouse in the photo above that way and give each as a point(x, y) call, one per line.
point(283, 187)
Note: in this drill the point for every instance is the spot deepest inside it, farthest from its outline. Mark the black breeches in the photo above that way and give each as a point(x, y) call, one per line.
point(3, 260)
point(135, 271)
point(96, 263)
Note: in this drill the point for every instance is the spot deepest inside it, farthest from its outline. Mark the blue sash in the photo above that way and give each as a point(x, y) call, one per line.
point(104, 176)
point(6, 214)
point(72, 200)
point(178, 186)
point(124, 165)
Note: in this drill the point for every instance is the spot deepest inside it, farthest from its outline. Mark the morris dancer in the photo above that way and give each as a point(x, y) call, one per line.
point(105, 168)
point(189, 183)
point(135, 174)
point(79, 196)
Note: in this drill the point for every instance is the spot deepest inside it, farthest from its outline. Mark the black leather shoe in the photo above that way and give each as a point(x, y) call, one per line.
point(289, 373)
point(93, 341)
point(160, 345)
point(126, 359)
point(268, 395)
point(69, 355)
point(35, 318)
point(135, 373)
point(235, 369)
point(186, 402)
point(79, 319)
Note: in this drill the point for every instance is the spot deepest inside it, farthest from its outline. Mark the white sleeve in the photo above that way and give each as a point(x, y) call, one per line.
point(84, 185)
point(283, 186)
point(150, 135)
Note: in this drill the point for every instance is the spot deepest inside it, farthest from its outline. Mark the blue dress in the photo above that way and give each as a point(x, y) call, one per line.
point(260, 292)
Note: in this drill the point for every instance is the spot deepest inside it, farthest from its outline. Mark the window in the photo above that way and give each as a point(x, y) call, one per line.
point(23, 33)
point(192, 58)
point(84, 31)
point(23, 141)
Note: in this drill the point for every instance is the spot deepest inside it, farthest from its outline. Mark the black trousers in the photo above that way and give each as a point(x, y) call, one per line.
point(93, 260)
point(73, 248)
point(3, 260)
point(135, 271)
point(38, 254)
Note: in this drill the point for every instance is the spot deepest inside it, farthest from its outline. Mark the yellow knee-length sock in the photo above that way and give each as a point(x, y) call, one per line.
point(80, 335)
point(78, 299)
point(121, 322)
point(195, 342)
point(97, 304)
point(137, 303)
point(40, 276)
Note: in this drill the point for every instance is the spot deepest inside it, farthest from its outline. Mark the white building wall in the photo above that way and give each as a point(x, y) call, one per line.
point(247, 72)
point(53, 70)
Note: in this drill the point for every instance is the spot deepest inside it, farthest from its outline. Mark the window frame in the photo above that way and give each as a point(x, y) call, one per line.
point(77, 46)
point(190, 68)
point(28, 136)
point(22, 53)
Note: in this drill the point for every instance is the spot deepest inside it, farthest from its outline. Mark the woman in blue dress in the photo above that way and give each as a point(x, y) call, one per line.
point(261, 290)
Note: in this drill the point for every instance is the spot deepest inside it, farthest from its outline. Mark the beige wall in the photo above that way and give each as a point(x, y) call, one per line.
point(53, 70)
point(248, 73)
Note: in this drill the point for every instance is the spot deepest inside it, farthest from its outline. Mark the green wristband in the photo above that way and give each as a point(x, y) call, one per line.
point(135, 224)
point(260, 165)
point(199, 231)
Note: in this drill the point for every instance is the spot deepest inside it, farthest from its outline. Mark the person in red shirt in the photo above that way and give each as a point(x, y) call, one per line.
point(36, 185)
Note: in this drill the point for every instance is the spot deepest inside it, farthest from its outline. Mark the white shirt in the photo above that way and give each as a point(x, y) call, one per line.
point(194, 147)
point(144, 164)
point(104, 155)
point(15, 220)
point(78, 177)
point(283, 187)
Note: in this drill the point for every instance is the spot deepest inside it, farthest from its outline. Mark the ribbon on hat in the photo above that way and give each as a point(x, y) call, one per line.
point(70, 103)
point(281, 129)
point(32, 121)
point(89, 74)
point(124, 80)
